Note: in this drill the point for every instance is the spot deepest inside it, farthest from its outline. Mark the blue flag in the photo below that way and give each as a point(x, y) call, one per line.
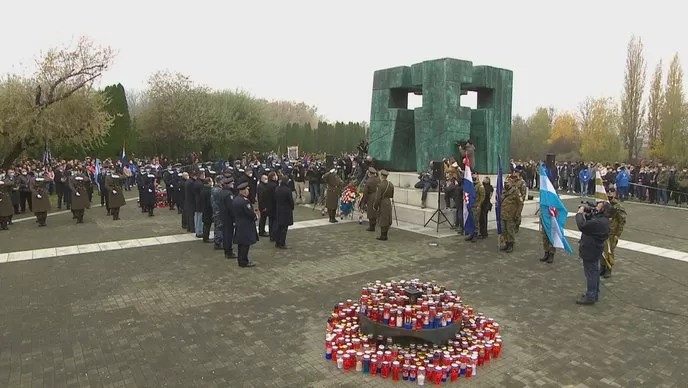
point(500, 188)
point(553, 213)
point(98, 173)
point(124, 155)
point(468, 200)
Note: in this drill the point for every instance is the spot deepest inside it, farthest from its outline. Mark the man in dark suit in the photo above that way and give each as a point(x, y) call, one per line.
point(284, 212)
point(594, 232)
point(245, 219)
point(266, 205)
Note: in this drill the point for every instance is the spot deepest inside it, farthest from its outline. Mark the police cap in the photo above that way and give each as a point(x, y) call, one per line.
point(243, 186)
point(372, 170)
point(227, 181)
point(384, 173)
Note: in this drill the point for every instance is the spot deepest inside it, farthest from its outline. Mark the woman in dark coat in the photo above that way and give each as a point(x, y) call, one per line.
point(207, 208)
point(40, 199)
point(113, 187)
point(485, 206)
point(79, 199)
point(148, 194)
point(284, 209)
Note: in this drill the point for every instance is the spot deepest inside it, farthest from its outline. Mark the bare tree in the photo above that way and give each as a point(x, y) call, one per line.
point(632, 107)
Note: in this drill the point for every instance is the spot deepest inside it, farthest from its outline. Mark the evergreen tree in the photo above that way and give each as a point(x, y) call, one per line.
point(120, 131)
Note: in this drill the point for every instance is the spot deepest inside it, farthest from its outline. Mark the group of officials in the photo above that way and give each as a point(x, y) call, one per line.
point(226, 201)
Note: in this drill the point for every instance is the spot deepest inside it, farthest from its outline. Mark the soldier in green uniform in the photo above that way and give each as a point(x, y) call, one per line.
point(383, 205)
point(114, 193)
point(617, 221)
point(6, 207)
point(550, 250)
point(369, 197)
point(79, 193)
point(662, 186)
point(521, 185)
point(40, 200)
point(334, 191)
point(511, 202)
point(479, 198)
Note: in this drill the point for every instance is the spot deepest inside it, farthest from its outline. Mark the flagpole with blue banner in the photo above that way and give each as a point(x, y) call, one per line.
point(124, 153)
point(498, 204)
point(553, 212)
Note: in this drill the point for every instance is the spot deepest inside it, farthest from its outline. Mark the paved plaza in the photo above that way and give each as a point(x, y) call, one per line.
point(139, 303)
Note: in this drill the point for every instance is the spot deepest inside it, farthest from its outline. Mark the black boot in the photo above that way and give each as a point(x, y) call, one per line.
point(509, 248)
point(545, 257)
point(383, 233)
point(150, 212)
point(470, 237)
point(550, 259)
point(371, 226)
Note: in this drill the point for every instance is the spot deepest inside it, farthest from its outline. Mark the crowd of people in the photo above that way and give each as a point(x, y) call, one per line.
point(650, 182)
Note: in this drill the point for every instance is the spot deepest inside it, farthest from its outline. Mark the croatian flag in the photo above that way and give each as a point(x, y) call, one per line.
point(500, 188)
point(124, 154)
point(468, 199)
point(553, 213)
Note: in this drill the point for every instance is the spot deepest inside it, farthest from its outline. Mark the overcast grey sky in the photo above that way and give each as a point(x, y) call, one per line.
point(324, 53)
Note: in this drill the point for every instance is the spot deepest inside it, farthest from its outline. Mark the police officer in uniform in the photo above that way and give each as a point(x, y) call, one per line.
point(170, 178)
point(383, 205)
point(6, 208)
point(112, 186)
point(617, 221)
point(215, 198)
point(369, 197)
point(334, 191)
point(79, 196)
point(226, 201)
point(40, 200)
point(100, 178)
point(246, 233)
point(148, 193)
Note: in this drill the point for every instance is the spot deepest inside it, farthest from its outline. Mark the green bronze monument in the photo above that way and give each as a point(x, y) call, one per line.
point(403, 139)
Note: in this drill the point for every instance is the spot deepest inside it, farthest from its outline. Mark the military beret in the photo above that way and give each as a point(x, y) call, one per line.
point(243, 186)
point(384, 173)
point(372, 170)
point(227, 181)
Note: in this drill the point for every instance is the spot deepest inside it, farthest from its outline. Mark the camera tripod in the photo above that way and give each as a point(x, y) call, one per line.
point(441, 217)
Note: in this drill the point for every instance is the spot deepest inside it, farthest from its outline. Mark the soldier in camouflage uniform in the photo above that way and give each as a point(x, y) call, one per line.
point(475, 210)
point(511, 202)
point(550, 250)
point(215, 199)
point(662, 186)
point(520, 184)
point(616, 223)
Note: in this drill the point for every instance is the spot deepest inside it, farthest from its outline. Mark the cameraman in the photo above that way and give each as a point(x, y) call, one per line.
point(425, 182)
point(594, 226)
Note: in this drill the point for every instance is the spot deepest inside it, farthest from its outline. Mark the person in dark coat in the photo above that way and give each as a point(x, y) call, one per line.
point(485, 206)
point(112, 187)
point(198, 204)
point(226, 201)
point(206, 201)
point(594, 232)
point(6, 207)
point(245, 218)
point(170, 178)
point(334, 192)
point(40, 200)
point(189, 202)
point(178, 194)
point(284, 212)
point(79, 200)
point(266, 205)
point(148, 193)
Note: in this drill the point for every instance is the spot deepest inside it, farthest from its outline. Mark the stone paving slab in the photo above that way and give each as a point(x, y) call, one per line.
point(180, 315)
point(62, 230)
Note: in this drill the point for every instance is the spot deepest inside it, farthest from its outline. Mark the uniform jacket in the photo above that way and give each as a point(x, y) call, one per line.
point(383, 203)
point(79, 193)
point(594, 232)
point(369, 195)
point(147, 191)
point(226, 198)
point(207, 204)
point(479, 195)
point(284, 205)
point(113, 188)
point(246, 232)
point(40, 197)
point(6, 207)
point(511, 203)
point(334, 190)
point(618, 218)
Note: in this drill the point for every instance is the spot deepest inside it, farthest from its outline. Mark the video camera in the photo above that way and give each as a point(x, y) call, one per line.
point(589, 209)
